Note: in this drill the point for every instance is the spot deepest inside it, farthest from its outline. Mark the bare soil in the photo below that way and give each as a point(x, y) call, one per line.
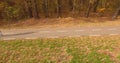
point(59, 22)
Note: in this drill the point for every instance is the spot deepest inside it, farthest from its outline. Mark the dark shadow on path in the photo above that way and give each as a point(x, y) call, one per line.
point(25, 33)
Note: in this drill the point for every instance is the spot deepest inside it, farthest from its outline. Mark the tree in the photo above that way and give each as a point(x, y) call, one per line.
point(31, 7)
point(45, 7)
point(59, 8)
point(0, 34)
point(93, 4)
point(36, 13)
point(71, 5)
point(89, 8)
point(96, 3)
point(50, 8)
point(116, 13)
point(28, 7)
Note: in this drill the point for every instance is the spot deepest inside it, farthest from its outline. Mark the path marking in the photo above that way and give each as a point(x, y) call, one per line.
point(8, 33)
point(112, 29)
point(44, 31)
point(79, 30)
point(52, 37)
point(95, 35)
point(113, 34)
point(61, 31)
point(96, 29)
point(32, 38)
point(9, 38)
point(75, 36)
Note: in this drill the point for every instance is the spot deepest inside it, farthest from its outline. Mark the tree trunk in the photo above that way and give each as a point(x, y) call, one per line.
point(36, 13)
point(28, 8)
point(59, 8)
point(45, 7)
point(116, 13)
point(71, 5)
point(96, 3)
point(88, 11)
point(0, 34)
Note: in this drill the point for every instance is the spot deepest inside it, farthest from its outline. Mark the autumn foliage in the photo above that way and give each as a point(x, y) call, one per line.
point(22, 9)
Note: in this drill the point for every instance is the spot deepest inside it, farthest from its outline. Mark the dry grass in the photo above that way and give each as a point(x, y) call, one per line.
point(60, 22)
point(62, 50)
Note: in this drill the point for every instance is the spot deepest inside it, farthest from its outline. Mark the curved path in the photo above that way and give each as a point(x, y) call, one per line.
point(59, 32)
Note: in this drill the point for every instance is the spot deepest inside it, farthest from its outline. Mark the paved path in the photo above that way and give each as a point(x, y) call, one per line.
point(59, 32)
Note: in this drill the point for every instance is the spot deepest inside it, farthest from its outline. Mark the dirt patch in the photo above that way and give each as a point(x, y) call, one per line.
point(62, 56)
point(113, 54)
point(60, 22)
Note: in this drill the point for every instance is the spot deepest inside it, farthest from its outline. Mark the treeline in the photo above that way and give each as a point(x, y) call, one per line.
point(20, 9)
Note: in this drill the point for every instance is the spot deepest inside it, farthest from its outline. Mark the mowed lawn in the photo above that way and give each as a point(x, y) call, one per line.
point(62, 50)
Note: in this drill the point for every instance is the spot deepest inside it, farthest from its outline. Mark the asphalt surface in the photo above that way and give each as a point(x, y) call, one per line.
point(58, 32)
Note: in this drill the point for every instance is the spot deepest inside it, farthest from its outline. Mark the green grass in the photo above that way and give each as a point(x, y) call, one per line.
point(62, 50)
